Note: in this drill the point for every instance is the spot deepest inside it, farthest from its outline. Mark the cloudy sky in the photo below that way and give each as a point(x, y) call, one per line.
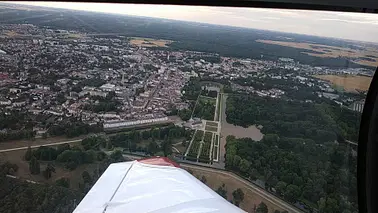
point(354, 26)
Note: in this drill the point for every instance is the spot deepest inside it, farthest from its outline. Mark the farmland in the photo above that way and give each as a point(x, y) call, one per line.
point(350, 83)
point(149, 42)
point(364, 55)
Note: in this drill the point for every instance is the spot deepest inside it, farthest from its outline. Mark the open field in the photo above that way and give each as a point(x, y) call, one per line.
point(23, 172)
point(209, 123)
point(211, 128)
point(366, 56)
point(350, 83)
point(149, 42)
point(215, 180)
point(74, 36)
point(208, 99)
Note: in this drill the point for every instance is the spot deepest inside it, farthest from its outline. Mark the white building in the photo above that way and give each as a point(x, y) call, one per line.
point(108, 87)
point(118, 124)
point(358, 106)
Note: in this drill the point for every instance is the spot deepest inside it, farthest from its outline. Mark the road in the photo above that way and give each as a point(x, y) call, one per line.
point(36, 146)
point(351, 142)
point(250, 186)
point(222, 120)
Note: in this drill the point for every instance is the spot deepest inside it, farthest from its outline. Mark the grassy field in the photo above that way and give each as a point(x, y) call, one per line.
point(215, 146)
point(149, 42)
point(209, 123)
point(211, 128)
point(194, 148)
point(208, 99)
point(350, 83)
point(365, 55)
point(23, 172)
point(215, 180)
point(219, 106)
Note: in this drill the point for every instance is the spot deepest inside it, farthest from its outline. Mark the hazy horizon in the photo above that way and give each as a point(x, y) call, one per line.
point(349, 26)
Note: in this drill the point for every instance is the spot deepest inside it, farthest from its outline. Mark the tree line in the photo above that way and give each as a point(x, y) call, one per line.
point(73, 128)
point(298, 169)
point(303, 156)
point(320, 122)
point(23, 197)
point(159, 139)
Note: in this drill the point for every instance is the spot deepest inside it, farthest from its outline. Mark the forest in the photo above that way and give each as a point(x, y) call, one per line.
point(298, 170)
point(159, 139)
point(319, 122)
point(303, 156)
point(73, 128)
point(22, 197)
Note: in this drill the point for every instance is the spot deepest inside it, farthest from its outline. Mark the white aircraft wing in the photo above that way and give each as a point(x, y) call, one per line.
point(155, 185)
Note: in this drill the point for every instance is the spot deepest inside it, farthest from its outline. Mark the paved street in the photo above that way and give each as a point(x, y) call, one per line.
point(36, 146)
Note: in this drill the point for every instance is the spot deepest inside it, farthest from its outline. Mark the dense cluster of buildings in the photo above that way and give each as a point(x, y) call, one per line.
point(63, 74)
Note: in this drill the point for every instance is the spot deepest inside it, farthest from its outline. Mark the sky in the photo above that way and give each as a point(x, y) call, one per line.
point(353, 26)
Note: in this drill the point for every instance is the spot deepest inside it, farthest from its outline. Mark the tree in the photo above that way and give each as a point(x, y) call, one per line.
point(244, 166)
point(292, 193)
point(86, 177)
point(22, 196)
point(203, 179)
point(262, 208)
point(116, 156)
point(62, 147)
point(167, 147)
point(236, 161)
point(184, 114)
point(280, 187)
point(238, 196)
point(28, 154)
point(34, 166)
point(328, 205)
point(222, 191)
point(153, 147)
point(47, 172)
point(146, 135)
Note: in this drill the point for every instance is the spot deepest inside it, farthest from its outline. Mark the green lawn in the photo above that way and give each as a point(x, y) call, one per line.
point(209, 123)
point(211, 128)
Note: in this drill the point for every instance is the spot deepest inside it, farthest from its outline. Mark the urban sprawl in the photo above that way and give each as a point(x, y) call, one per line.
point(115, 83)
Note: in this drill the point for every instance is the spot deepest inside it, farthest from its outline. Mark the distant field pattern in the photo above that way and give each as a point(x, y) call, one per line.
point(149, 42)
point(362, 55)
point(350, 83)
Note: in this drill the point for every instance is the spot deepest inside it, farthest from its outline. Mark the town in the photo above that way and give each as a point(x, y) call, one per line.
point(119, 81)
point(268, 120)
